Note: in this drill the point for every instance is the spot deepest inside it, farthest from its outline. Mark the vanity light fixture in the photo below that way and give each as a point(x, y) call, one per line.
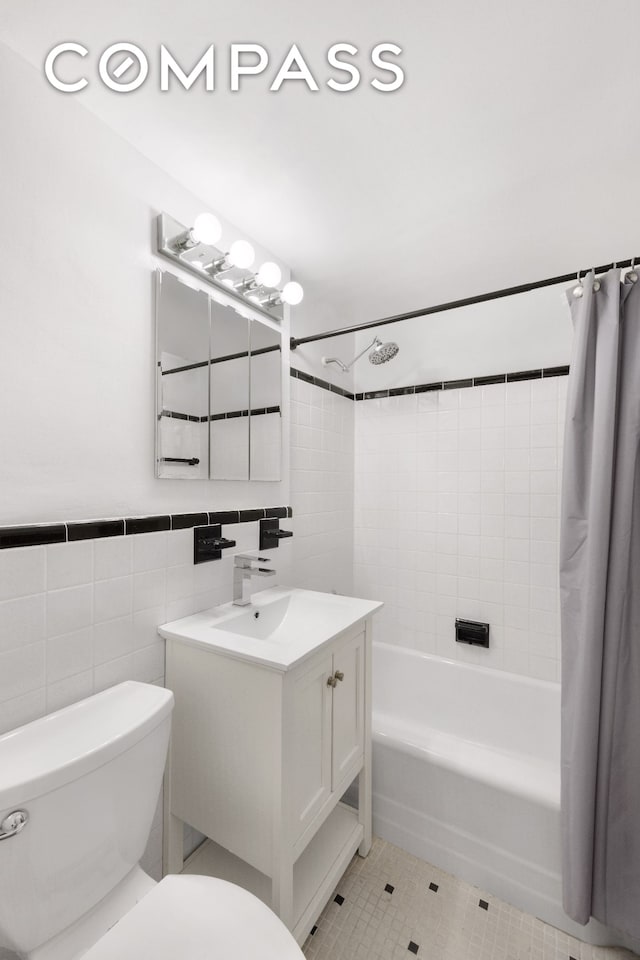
point(206, 229)
point(197, 250)
point(292, 294)
point(269, 275)
point(241, 254)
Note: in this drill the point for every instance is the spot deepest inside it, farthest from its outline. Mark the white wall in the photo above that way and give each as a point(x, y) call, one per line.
point(524, 332)
point(77, 362)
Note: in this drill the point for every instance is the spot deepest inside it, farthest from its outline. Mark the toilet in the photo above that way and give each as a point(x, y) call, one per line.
point(78, 792)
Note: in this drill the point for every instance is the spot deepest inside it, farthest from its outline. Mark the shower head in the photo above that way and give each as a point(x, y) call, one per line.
point(380, 354)
point(383, 351)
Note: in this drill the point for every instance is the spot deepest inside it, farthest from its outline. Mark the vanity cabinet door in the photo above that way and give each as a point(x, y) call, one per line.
point(348, 710)
point(310, 743)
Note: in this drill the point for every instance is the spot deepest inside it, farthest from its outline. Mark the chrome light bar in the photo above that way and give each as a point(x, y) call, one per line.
point(228, 270)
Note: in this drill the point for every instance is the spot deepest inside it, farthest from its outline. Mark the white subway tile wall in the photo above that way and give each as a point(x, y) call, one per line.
point(457, 497)
point(322, 458)
point(78, 617)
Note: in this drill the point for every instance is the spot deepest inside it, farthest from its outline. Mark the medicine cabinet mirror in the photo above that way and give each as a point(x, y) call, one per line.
point(219, 389)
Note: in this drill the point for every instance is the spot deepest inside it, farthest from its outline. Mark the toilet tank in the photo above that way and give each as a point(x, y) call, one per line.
point(89, 778)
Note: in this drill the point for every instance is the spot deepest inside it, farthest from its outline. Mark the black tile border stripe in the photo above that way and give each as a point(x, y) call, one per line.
point(255, 412)
point(182, 521)
point(540, 374)
point(318, 382)
point(95, 529)
point(174, 415)
point(231, 414)
point(41, 534)
point(32, 536)
point(147, 524)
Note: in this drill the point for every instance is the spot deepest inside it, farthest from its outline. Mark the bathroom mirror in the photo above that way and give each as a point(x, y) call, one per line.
point(229, 394)
point(182, 349)
point(219, 389)
point(265, 436)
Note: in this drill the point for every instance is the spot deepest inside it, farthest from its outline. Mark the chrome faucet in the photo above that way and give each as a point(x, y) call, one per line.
point(243, 571)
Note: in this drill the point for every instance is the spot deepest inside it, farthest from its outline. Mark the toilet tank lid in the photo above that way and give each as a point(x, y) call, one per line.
point(63, 746)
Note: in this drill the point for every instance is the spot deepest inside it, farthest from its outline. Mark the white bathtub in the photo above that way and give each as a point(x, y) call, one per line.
point(466, 775)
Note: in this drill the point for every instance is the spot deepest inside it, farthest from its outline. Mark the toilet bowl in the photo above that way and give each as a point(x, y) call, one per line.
point(78, 792)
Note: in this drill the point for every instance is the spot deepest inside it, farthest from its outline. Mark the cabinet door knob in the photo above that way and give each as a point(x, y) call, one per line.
point(339, 675)
point(331, 682)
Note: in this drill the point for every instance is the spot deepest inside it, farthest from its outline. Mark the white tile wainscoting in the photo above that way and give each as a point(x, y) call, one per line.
point(322, 459)
point(457, 497)
point(80, 616)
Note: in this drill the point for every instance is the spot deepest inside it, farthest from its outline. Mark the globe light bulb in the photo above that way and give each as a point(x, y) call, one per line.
point(292, 293)
point(269, 275)
point(241, 254)
point(206, 229)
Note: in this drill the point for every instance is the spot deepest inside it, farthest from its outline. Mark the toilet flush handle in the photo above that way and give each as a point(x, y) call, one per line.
point(13, 823)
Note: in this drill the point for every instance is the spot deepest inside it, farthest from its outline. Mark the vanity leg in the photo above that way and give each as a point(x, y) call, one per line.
point(364, 808)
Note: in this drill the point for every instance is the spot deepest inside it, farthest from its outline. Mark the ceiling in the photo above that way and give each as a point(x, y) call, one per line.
point(510, 153)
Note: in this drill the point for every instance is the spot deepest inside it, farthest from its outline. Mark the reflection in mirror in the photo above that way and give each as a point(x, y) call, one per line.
point(219, 389)
point(229, 396)
point(266, 423)
point(182, 330)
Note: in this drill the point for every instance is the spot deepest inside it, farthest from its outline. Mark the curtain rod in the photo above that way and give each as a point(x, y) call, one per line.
point(466, 302)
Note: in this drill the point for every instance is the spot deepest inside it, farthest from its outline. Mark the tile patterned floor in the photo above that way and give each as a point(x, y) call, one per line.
point(392, 906)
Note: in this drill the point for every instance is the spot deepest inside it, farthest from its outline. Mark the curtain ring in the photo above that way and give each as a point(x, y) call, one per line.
point(596, 283)
point(632, 275)
point(578, 290)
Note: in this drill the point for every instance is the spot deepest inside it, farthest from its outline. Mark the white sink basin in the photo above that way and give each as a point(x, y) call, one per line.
point(266, 621)
point(278, 628)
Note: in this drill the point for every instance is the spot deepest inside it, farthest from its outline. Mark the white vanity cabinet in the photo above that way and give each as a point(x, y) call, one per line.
point(260, 757)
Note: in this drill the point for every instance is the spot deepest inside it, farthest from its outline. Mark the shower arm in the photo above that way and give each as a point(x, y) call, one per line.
point(345, 367)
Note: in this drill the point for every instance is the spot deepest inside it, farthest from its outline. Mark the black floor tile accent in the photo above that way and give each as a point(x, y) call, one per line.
point(413, 947)
point(483, 904)
point(314, 928)
point(388, 888)
point(434, 887)
point(338, 899)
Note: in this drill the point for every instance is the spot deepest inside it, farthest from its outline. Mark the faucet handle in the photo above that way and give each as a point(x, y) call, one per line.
point(246, 560)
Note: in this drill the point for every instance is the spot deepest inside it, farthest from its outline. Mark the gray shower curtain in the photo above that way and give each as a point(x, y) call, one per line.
point(600, 609)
